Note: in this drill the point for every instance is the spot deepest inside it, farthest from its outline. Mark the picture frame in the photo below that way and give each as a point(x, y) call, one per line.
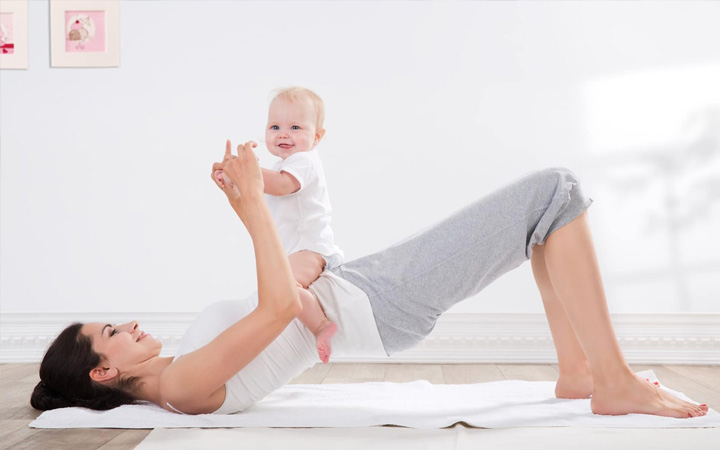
point(14, 34)
point(85, 33)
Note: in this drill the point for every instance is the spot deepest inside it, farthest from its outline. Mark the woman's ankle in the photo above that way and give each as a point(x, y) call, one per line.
point(581, 368)
point(611, 376)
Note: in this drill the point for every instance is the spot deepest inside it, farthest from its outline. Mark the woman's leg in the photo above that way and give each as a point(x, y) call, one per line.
point(413, 282)
point(575, 277)
point(575, 379)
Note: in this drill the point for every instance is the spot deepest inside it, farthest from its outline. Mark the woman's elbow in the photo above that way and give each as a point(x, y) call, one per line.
point(290, 309)
point(296, 307)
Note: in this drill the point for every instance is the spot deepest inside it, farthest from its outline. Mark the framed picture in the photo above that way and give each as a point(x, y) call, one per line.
point(85, 33)
point(14, 34)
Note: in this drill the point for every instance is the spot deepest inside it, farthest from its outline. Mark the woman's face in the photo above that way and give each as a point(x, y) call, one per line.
point(123, 346)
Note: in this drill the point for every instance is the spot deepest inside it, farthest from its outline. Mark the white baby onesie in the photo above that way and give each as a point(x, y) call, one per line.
point(303, 217)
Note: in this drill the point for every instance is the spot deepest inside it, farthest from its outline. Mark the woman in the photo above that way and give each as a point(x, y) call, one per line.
point(235, 353)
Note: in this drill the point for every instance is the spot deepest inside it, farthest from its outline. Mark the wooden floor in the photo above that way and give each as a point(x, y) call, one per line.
point(17, 381)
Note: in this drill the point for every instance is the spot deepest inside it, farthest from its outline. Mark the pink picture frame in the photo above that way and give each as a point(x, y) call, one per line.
point(14, 34)
point(85, 33)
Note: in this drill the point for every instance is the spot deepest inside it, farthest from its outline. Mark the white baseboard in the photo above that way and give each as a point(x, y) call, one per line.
point(457, 338)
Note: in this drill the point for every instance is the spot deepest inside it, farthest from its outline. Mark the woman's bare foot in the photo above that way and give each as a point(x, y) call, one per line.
point(633, 394)
point(323, 335)
point(676, 400)
point(575, 383)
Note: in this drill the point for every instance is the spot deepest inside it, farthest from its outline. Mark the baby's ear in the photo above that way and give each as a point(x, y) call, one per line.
point(319, 135)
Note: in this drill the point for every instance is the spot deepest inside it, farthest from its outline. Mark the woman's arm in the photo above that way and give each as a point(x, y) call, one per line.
point(190, 381)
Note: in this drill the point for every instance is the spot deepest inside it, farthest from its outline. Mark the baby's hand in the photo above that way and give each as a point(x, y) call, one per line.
point(222, 179)
point(239, 176)
point(218, 174)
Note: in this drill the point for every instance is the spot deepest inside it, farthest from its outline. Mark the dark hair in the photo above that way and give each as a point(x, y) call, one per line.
point(65, 376)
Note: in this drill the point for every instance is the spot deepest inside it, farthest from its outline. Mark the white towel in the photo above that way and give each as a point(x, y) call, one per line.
point(419, 404)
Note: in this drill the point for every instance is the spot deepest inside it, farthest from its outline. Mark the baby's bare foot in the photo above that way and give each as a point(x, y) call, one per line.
point(575, 383)
point(633, 394)
point(322, 338)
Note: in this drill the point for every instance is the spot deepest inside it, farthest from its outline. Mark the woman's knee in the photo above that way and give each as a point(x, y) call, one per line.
point(557, 174)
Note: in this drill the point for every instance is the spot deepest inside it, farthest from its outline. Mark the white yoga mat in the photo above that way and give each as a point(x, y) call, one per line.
point(500, 404)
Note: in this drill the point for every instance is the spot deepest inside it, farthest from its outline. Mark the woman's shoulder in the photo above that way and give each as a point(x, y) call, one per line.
point(174, 396)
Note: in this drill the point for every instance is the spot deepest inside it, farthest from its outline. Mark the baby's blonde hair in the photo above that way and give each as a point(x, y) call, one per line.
point(295, 93)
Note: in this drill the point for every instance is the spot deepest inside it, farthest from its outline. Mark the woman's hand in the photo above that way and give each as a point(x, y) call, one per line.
point(243, 172)
point(218, 168)
point(246, 181)
point(306, 266)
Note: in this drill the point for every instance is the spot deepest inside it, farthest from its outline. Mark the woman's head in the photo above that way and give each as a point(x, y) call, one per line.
point(82, 367)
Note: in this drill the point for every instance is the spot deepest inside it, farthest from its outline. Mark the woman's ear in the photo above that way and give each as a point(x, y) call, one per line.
point(102, 374)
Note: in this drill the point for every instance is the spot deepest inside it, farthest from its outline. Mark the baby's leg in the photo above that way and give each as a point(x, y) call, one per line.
point(313, 317)
point(306, 266)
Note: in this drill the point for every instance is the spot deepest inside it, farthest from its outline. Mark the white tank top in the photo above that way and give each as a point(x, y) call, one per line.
point(294, 350)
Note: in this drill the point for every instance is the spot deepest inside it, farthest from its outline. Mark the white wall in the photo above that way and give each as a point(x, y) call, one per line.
point(107, 205)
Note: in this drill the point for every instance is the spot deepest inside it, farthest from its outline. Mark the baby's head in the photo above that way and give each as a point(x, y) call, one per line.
point(295, 121)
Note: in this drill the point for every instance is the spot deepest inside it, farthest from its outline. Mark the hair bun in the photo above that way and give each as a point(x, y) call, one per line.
point(44, 398)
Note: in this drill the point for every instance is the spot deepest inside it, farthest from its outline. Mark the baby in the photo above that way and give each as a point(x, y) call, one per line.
point(297, 195)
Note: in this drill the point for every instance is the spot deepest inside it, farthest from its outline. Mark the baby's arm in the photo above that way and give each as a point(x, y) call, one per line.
point(279, 183)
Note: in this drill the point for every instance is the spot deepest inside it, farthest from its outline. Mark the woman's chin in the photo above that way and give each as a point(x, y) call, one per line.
point(153, 343)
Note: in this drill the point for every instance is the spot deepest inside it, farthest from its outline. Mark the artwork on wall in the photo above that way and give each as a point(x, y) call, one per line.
point(14, 34)
point(85, 33)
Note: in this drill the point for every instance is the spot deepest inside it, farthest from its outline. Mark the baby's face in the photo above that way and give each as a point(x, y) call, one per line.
point(291, 127)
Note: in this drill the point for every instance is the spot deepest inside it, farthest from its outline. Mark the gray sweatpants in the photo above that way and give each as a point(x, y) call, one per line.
point(414, 281)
